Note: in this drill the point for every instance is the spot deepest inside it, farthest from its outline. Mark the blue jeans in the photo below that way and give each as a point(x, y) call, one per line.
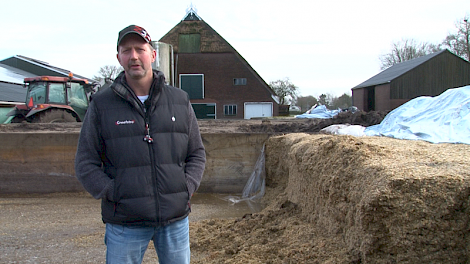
point(127, 244)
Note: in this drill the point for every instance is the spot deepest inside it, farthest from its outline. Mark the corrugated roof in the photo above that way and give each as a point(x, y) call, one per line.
point(397, 70)
point(53, 69)
point(11, 83)
point(11, 92)
point(13, 75)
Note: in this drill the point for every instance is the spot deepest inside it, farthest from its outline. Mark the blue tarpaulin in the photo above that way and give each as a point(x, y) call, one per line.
point(319, 112)
point(440, 119)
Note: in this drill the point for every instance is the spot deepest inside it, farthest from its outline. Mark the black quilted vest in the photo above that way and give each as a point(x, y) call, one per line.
point(149, 175)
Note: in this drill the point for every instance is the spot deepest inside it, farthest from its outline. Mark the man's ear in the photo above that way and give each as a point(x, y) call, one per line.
point(154, 55)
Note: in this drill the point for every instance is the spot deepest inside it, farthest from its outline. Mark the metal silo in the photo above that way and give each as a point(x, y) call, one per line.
point(164, 61)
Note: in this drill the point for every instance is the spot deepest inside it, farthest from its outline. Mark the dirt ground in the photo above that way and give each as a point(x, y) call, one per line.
point(275, 125)
point(67, 228)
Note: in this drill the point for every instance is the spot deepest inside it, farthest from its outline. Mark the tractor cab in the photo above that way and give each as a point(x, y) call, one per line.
point(52, 99)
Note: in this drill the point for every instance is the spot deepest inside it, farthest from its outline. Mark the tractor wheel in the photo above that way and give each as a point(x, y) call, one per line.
point(54, 116)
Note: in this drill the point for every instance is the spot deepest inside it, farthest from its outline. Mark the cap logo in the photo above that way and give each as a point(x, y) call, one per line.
point(142, 32)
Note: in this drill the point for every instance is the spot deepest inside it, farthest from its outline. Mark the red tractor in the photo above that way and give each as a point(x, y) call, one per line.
point(51, 99)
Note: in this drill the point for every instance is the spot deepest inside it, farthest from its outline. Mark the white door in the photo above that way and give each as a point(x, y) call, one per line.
point(258, 110)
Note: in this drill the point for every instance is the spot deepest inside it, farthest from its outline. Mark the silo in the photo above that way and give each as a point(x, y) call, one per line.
point(164, 61)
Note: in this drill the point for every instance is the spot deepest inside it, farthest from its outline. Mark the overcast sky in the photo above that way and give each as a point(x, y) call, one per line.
point(326, 46)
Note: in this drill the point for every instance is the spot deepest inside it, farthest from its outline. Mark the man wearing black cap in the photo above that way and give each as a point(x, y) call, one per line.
point(141, 153)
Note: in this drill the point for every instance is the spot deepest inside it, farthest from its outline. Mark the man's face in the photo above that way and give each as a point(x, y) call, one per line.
point(136, 57)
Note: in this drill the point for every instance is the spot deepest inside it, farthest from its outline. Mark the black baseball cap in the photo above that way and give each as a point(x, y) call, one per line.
point(136, 30)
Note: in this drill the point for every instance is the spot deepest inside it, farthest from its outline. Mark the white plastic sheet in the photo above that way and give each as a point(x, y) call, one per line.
point(344, 129)
point(441, 119)
point(319, 112)
point(255, 187)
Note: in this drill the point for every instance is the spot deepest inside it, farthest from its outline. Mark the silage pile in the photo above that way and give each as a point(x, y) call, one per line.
point(341, 199)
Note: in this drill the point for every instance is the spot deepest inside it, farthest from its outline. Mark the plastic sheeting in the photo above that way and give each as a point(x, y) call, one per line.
point(344, 129)
point(319, 112)
point(255, 187)
point(441, 119)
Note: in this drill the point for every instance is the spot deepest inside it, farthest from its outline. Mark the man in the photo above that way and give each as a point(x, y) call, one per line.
point(141, 153)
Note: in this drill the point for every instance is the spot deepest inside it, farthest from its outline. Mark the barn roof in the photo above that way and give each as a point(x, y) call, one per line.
point(11, 92)
point(9, 74)
point(211, 41)
point(37, 67)
point(397, 70)
point(191, 15)
point(11, 83)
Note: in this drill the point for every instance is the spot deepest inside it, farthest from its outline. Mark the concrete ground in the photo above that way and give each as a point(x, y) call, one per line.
point(67, 227)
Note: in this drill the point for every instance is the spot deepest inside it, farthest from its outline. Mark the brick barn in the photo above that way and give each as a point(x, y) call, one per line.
point(220, 82)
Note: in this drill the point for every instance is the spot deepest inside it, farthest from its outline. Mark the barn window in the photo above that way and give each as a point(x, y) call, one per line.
point(230, 110)
point(189, 43)
point(193, 84)
point(239, 81)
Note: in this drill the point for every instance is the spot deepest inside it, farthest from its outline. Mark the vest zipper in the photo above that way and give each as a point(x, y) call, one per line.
point(148, 138)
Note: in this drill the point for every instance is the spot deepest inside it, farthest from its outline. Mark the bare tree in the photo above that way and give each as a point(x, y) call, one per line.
point(406, 49)
point(108, 72)
point(306, 102)
point(285, 90)
point(459, 43)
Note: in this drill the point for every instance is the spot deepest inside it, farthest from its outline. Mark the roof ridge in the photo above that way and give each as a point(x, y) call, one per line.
point(191, 14)
point(397, 70)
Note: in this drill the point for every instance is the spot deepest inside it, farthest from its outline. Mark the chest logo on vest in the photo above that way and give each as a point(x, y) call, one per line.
point(125, 122)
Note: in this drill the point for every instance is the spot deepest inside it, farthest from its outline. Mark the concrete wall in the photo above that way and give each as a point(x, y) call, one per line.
point(44, 162)
point(230, 161)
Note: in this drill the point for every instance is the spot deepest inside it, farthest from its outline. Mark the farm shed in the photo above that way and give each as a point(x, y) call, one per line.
point(428, 75)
